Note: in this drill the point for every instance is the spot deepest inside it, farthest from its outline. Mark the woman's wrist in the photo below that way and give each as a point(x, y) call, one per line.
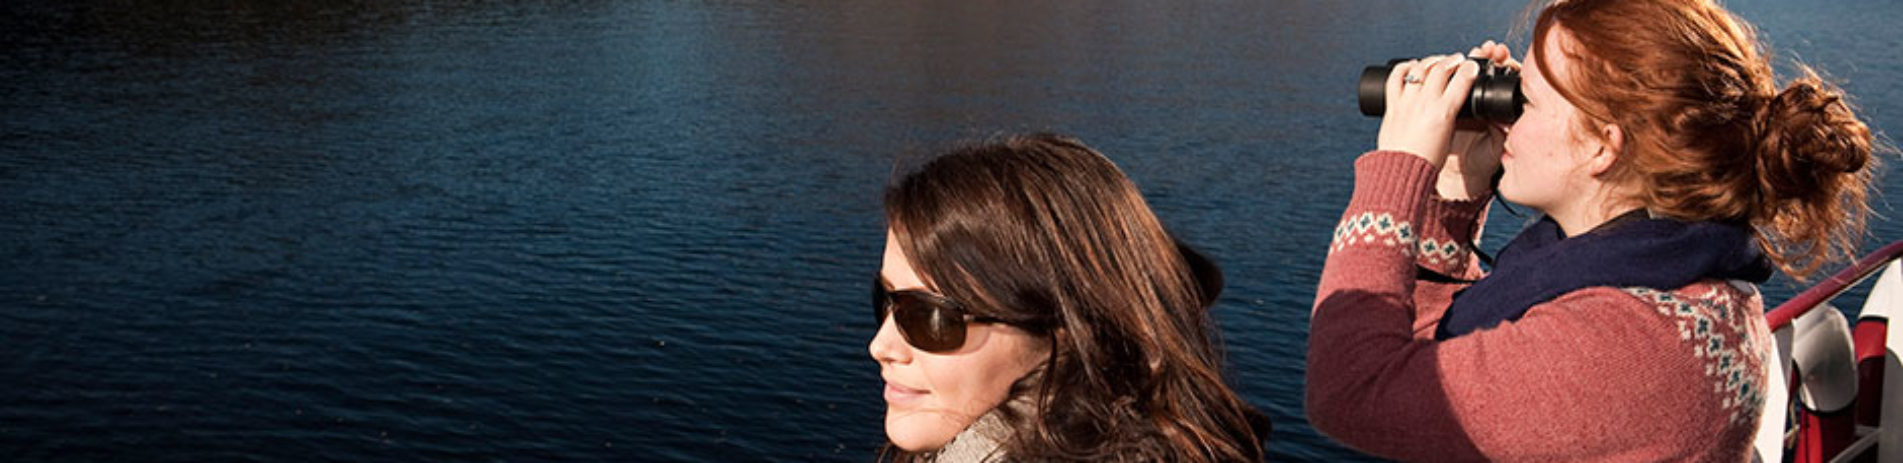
point(1456, 183)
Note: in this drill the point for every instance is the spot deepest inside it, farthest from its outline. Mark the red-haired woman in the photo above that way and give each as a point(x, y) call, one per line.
point(1673, 174)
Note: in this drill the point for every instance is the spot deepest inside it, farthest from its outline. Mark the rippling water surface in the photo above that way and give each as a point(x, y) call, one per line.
point(630, 231)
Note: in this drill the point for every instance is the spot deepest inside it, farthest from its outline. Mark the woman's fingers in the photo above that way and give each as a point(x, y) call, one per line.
point(1461, 83)
point(1397, 81)
point(1484, 50)
point(1497, 53)
point(1438, 74)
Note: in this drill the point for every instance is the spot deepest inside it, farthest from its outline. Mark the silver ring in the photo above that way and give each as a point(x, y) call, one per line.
point(1412, 78)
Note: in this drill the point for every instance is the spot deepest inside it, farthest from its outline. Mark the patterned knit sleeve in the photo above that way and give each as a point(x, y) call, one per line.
point(1377, 238)
point(1364, 315)
point(1448, 233)
point(1394, 223)
point(1449, 229)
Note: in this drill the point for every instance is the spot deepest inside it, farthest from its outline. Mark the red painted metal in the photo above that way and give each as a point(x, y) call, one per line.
point(1869, 337)
point(1821, 435)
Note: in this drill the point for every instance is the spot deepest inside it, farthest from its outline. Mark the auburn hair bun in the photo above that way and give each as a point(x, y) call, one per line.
point(1810, 129)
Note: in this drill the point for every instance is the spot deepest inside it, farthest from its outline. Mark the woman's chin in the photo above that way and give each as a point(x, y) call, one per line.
point(919, 431)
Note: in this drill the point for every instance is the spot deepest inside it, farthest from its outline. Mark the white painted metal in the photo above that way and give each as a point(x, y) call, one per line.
point(1886, 301)
point(1826, 358)
point(1770, 440)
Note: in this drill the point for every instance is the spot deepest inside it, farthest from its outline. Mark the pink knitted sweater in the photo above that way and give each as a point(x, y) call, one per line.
point(1598, 374)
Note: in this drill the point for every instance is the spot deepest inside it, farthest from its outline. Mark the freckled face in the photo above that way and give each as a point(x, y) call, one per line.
point(931, 397)
point(1544, 149)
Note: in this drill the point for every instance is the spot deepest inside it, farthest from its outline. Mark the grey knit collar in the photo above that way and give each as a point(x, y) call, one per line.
point(979, 443)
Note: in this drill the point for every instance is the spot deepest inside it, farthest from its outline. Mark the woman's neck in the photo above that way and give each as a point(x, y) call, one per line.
point(1592, 203)
point(1586, 217)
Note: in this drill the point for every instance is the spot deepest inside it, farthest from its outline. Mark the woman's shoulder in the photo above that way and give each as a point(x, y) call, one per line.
point(1707, 304)
point(1708, 337)
point(1710, 318)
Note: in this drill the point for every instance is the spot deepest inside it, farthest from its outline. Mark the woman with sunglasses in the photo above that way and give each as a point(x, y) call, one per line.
point(1031, 307)
point(1673, 172)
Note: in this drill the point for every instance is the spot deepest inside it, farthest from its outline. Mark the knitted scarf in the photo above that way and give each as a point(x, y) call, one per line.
point(1632, 250)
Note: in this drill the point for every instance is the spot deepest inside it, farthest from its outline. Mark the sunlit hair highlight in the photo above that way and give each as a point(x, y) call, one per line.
point(1708, 135)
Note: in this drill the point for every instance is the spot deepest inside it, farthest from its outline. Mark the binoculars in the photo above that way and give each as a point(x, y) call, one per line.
point(1495, 96)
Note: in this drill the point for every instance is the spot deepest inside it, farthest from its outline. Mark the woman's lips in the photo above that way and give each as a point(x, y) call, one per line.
point(896, 394)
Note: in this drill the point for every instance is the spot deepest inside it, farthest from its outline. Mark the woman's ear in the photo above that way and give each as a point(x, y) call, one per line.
point(1611, 146)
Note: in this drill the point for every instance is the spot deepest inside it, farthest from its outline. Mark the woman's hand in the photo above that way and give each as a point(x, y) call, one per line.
point(1475, 146)
point(1422, 98)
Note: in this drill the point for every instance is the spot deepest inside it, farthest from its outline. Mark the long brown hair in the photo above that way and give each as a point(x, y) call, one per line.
point(1045, 233)
point(1709, 135)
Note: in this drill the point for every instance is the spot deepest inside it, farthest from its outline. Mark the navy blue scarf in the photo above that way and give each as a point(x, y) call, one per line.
point(1631, 250)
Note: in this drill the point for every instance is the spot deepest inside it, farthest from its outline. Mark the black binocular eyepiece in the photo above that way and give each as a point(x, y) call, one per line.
point(1495, 96)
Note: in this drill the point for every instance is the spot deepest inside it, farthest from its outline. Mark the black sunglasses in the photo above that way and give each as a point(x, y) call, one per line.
point(927, 321)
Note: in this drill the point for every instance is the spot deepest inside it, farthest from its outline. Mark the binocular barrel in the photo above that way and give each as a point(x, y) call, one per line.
point(1495, 96)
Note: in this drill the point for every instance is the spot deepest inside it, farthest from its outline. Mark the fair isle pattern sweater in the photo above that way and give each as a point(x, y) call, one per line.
point(1598, 374)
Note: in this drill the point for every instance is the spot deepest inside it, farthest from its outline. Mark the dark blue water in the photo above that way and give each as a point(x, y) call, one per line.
point(631, 231)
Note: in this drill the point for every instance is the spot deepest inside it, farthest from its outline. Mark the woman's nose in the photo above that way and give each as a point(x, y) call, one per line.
point(887, 346)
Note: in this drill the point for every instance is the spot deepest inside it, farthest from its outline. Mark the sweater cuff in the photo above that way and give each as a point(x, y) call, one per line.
point(1389, 189)
point(1460, 219)
point(1392, 181)
point(1448, 230)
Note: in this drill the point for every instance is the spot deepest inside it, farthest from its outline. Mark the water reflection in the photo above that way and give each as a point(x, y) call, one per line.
point(623, 230)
